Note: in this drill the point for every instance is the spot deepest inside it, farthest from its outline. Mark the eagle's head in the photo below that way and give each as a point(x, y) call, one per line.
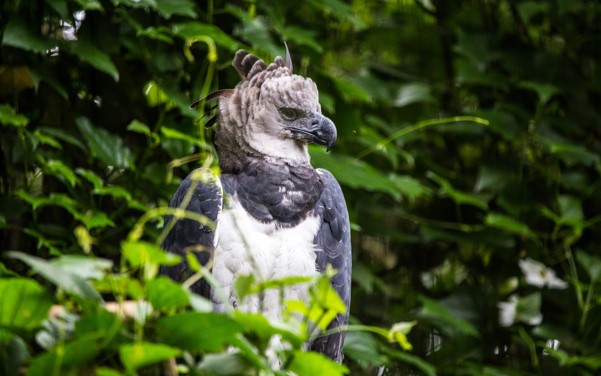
point(272, 113)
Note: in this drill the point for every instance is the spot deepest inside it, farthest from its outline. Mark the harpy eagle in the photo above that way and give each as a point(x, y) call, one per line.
point(276, 216)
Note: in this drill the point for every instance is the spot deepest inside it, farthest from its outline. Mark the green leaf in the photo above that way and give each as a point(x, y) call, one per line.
point(544, 91)
point(301, 37)
point(24, 304)
point(62, 135)
point(311, 363)
point(574, 154)
point(89, 53)
point(413, 93)
point(83, 266)
point(361, 346)
point(439, 314)
point(147, 256)
point(168, 8)
point(177, 135)
point(105, 146)
point(164, 294)
point(590, 263)
point(355, 173)
point(410, 188)
point(225, 364)
point(196, 331)
point(508, 224)
point(58, 168)
point(459, 197)
point(259, 325)
point(8, 116)
point(188, 30)
point(70, 282)
point(96, 219)
point(21, 35)
point(427, 368)
point(140, 354)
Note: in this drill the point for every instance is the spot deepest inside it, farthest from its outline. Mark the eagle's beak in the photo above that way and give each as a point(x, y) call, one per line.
point(321, 131)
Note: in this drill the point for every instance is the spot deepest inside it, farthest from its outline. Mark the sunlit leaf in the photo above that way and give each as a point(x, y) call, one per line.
point(61, 277)
point(8, 116)
point(311, 363)
point(225, 364)
point(164, 294)
point(140, 354)
point(508, 224)
point(24, 304)
point(58, 168)
point(196, 331)
point(189, 30)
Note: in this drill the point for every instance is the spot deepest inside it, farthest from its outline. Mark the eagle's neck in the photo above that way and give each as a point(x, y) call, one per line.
point(274, 190)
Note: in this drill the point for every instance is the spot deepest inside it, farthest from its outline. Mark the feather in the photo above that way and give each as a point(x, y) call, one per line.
point(214, 95)
point(288, 58)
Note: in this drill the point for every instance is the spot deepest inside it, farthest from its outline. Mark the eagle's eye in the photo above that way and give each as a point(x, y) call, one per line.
point(289, 113)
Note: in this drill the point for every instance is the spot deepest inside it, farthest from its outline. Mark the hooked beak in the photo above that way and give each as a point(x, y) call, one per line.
point(321, 131)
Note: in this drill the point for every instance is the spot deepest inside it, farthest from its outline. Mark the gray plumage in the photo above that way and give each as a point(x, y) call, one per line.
point(264, 126)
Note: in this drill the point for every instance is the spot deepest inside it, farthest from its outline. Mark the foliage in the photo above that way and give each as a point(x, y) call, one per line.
point(484, 239)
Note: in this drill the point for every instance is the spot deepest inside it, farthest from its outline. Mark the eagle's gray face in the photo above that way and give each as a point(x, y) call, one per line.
point(272, 112)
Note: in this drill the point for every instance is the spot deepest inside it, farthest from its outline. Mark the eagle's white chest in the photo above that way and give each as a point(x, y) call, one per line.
point(246, 246)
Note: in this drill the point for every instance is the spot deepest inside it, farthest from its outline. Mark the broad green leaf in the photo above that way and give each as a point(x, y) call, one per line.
point(64, 359)
point(62, 278)
point(410, 188)
point(225, 364)
point(574, 154)
point(528, 309)
point(18, 34)
point(104, 371)
point(89, 53)
point(24, 304)
point(508, 224)
point(168, 8)
point(58, 168)
point(355, 173)
point(440, 315)
point(140, 354)
point(83, 266)
point(312, 363)
point(62, 135)
point(301, 37)
point(8, 116)
point(148, 257)
point(177, 135)
point(96, 219)
point(413, 93)
point(105, 146)
point(196, 331)
point(47, 140)
point(188, 30)
point(425, 367)
point(544, 91)
point(261, 326)
point(590, 263)
point(571, 210)
point(456, 195)
point(351, 91)
point(140, 253)
point(164, 294)
point(361, 346)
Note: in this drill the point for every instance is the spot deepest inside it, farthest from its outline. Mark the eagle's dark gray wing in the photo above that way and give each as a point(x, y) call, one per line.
point(333, 244)
point(189, 235)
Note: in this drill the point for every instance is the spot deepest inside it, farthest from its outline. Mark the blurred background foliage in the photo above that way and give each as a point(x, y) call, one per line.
point(488, 236)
